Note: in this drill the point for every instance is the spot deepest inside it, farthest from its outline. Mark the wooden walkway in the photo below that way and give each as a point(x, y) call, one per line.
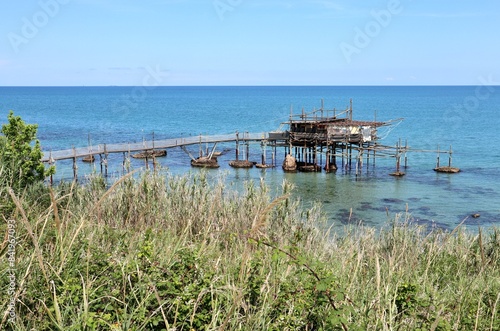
point(80, 152)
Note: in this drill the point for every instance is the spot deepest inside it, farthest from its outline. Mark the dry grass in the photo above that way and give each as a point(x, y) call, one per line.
point(163, 252)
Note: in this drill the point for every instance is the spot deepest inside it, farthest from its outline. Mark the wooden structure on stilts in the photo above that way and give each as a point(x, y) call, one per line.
point(332, 134)
point(323, 139)
point(446, 169)
point(245, 163)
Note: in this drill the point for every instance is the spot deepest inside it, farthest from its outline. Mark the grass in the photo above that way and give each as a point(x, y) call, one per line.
point(157, 252)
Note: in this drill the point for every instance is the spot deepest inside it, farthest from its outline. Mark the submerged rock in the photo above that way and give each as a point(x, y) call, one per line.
point(150, 154)
point(89, 159)
point(289, 164)
point(241, 164)
point(397, 174)
point(205, 162)
point(448, 170)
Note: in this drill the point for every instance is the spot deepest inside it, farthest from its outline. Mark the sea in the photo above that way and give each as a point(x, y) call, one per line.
point(464, 119)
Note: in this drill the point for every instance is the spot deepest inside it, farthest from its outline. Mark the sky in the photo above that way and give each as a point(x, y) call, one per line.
point(249, 42)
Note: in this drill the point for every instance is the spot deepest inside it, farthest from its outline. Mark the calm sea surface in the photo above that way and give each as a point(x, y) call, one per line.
point(465, 117)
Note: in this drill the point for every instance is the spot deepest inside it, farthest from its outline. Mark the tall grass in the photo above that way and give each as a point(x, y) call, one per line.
point(157, 252)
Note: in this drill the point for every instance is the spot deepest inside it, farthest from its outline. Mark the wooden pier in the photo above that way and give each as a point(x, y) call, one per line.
point(315, 141)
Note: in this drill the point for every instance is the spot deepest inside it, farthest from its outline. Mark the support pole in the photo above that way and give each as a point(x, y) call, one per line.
point(263, 156)
point(368, 157)
point(357, 165)
point(51, 162)
point(315, 155)
point(327, 159)
point(201, 147)
point(406, 153)
point(75, 170)
point(105, 162)
point(274, 154)
point(334, 157)
point(321, 154)
point(350, 109)
point(398, 159)
point(123, 163)
point(100, 162)
point(360, 155)
point(75, 166)
point(449, 159)
point(438, 152)
point(342, 153)
point(237, 146)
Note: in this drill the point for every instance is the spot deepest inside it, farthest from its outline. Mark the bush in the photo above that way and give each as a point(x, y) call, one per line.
point(21, 155)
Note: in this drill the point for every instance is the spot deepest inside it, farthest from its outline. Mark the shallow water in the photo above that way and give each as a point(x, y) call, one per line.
point(432, 115)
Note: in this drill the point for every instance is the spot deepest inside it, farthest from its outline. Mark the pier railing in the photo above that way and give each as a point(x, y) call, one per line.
point(79, 152)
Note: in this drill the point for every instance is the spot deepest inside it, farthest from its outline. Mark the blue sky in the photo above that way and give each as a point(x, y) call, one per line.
point(249, 42)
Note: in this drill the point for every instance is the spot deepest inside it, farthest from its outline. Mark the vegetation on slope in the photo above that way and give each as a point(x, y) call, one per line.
point(180, 253)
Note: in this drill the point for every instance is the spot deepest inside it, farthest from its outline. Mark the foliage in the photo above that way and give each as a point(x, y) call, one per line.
point(185, 253)
point(20, 160)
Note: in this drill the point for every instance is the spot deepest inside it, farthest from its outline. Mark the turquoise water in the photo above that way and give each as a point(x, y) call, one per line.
point(465, 117)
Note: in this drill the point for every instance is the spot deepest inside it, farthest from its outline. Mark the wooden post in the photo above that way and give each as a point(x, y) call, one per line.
point(342, 153)
point(100, 161)
point(290, 135)
point(360, 155)
point(274, 154)
point(327, 161)
point(406, 153)
point(357, 165)
point(334, 157)
point(315, 155)
point(51, 162)
point(106, 166)
point(449, 159)
point(438, 152)
point(237, 146)
point(350, 156)
point(263, 145)
point(75, 167)
point(123, 164)
point(321, 154)
point(350, 110)
point(368, 157)
point(247, 149)
point(105, 162)
point(201, 147)
point(397, 158)
point(128, 159)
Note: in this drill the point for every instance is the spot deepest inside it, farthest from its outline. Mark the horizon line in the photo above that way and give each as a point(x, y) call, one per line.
point(272, 85)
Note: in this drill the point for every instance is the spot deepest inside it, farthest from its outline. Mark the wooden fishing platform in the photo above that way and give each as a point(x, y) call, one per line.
point(312, 142)
point(104, 149)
